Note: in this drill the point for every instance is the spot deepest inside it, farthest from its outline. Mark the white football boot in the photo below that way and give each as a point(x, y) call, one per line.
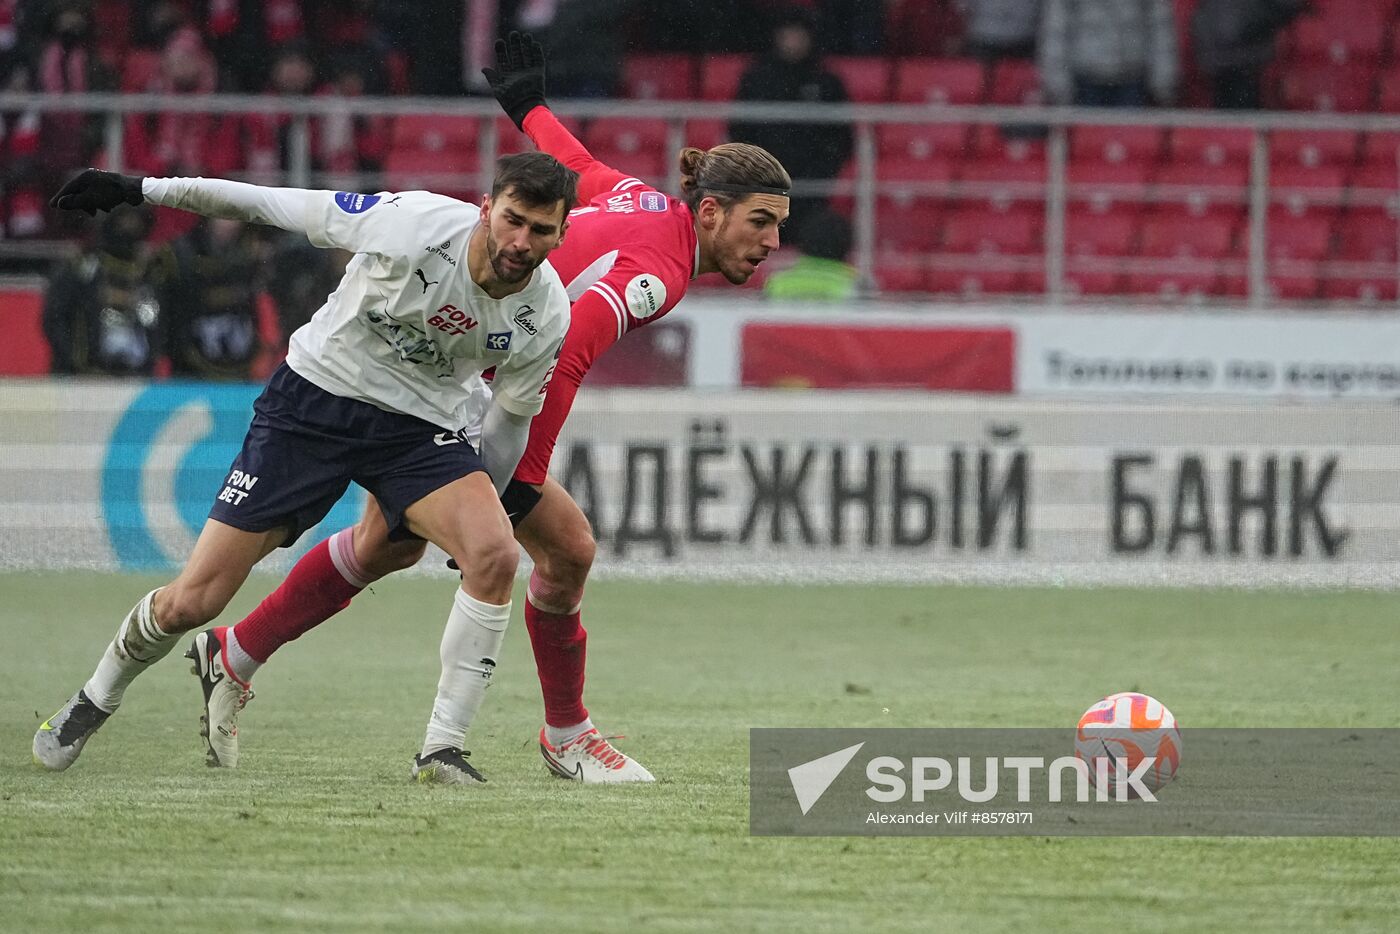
point(224, 697)
point(593, 760)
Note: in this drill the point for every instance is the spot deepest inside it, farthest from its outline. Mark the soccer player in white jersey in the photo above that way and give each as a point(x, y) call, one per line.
point(383, 387)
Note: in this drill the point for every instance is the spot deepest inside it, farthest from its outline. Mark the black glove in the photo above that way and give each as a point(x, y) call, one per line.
point(93, 190)
point(518, 78)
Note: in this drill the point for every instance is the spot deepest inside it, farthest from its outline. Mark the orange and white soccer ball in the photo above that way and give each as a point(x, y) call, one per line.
point(1129, 727)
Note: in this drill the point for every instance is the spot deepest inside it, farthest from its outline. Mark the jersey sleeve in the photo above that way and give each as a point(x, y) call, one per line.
point(592, 330)
point(641, 287)
point(521, 384)
point(386, 224)
point(595, 178)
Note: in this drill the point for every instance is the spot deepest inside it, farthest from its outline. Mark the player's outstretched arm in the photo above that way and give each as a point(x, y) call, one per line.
point(517, 81)
point(94, 190)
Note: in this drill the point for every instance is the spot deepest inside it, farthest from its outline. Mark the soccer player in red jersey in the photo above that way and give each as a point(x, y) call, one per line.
point(630, 254)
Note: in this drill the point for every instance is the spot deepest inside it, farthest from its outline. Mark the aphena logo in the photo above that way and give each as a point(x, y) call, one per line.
point(442, 252)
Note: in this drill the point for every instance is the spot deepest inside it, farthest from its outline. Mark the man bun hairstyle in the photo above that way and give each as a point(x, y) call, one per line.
point(536, 178)
point(729, 172)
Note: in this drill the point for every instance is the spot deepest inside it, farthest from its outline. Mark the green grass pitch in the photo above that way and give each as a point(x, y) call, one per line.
point(320, 829)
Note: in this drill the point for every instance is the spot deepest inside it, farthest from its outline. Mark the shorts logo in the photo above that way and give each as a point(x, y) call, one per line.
point(646, 295)
point(239, 486)
point(522, 320)
point(443, 439)
point(352, 203)
point(653, 201)
point(498, 340)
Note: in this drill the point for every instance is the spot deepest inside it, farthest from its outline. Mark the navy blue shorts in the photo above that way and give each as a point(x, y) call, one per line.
point(305, 445)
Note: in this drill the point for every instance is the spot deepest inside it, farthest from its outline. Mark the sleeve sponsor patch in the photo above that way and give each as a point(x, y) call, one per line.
point(653, 201)
point(646, 295)
point(354, 203)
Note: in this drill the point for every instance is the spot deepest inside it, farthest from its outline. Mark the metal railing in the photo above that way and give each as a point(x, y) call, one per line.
point(864, 186)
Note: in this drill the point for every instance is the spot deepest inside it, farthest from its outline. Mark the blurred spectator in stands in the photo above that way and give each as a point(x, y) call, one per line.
point(1108, 53)
point(210, 301)
point(67, 64)
point(821, 272)
point(268, 136)
point(156, 22)
point(999, 29)
point(844, 27)
point(345, 143)
point(12, 31)
point(244, 31)
point(793, 71)
point(173, 143)
point(300, 278)
point(1234, 40)
point(584, 40)
point(431, 34)
point(923, 27)
point(101, 312)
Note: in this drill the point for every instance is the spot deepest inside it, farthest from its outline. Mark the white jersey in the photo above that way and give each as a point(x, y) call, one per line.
point(408, 330)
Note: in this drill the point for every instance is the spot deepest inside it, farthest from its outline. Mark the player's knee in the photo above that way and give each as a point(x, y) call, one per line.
point(569, 558)
point(488, 565)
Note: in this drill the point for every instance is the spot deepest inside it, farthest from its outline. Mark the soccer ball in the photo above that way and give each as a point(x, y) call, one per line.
point(1131, 727)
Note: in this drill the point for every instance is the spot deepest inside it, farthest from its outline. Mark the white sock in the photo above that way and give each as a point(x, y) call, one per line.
point(138, 645)
point(470, 644)
point(243, 665)
point(561, 736)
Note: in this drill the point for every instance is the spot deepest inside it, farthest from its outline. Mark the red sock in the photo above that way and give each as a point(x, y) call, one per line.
point(316, 589)
point(561, 645)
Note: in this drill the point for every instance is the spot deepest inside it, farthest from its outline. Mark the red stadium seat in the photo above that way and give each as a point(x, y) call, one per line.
point(1015, 84)
point(938, 81)
point(1340, 32)
point(720, 74)
point(1300, 281)
point(1201, 188)
point(914, 170)
point(1197, 280)
point(1093, 282)
point(1367, 236)
point(1313, 147)
point(1300, 187)
point(1298, 236)
point(1088, 233)
point(1210, 236)
point(659, 77)
point(908, 225)
point(1115, 144)
point(139, 69)
point(1340, 88)
point(974, 281)
point(646, 164)
point(450, 172)
point(1388, 93)
point(706, 134)
point(1104, 184)
point(978, 231)
point(435, 132)
point(1003, 183)
point(1381, 149)
point(867, 79)
point(947, 141)
point(625, 134)
point(902, 273)
point(999, 145)
point(1210, 146)
point(1368, 290)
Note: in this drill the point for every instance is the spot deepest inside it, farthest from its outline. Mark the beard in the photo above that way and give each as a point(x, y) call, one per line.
point(509, 274)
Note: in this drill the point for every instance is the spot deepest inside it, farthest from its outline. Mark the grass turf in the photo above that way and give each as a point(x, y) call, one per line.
point(320, 830)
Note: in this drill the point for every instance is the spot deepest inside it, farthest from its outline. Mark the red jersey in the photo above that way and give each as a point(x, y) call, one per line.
point(627, 259)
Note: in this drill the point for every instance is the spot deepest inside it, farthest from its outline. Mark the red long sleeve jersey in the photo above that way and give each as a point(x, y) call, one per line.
point(627, 259)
